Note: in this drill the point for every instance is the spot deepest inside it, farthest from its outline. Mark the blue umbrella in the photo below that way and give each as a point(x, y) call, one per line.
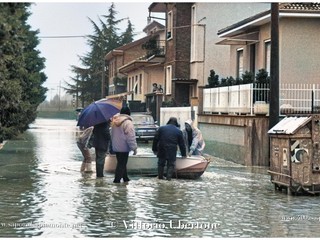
point(98, 112)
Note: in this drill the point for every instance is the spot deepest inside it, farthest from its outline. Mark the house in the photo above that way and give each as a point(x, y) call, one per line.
point(119, 57)
point(250, 43)
point(244, 139)
point(178, 85)
point(145, 76)
point(191, 33)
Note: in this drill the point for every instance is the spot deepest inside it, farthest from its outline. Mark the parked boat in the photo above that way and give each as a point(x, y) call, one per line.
point(147, 165)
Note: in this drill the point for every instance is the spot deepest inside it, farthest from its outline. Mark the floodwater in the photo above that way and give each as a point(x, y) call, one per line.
point(44, 194)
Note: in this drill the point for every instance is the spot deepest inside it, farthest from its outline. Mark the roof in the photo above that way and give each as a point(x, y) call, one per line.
point(264, 17)
point(157, 7)
point(153, 24)
point(119, 50)
point(289, 125)
point(302, 6)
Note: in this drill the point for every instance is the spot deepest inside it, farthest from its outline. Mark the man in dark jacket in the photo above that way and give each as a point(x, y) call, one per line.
point(101, 141)
point(165, 147)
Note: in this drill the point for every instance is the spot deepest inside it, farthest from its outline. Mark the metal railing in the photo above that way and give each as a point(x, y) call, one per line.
point(253, 98)
point(299, 98)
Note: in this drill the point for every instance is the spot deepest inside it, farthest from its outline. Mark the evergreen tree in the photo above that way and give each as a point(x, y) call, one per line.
point(262, 76)
point(127, 36)
point(104, 39)
point(20, 67)
point(247, 77)
point(213, 79)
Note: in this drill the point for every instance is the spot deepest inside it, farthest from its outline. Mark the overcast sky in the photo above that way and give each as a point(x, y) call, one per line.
point(54, 19)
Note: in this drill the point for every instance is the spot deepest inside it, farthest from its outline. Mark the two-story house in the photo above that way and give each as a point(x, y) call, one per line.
point(145, 73)
point(119, 57)
point(137, 68)
point(249, 42)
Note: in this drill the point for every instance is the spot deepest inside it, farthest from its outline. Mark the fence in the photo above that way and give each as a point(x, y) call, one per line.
point(253, 98)
point(300, 98)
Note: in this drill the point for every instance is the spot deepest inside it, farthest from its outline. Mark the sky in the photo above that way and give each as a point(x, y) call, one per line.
point(61, 19)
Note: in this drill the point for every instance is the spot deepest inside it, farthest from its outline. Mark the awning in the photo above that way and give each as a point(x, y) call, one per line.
point(241, 39)
point(132, 66)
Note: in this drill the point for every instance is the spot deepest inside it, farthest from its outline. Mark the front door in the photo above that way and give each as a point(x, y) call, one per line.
point(182, 94)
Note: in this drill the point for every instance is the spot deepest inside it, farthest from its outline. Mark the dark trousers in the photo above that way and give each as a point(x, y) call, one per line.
point(162, 162)
point(121, 169)
point(100, 159)
point(170, 167)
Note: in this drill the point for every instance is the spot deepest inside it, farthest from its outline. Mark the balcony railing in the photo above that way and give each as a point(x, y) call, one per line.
point(159, 51)
point(254, 99)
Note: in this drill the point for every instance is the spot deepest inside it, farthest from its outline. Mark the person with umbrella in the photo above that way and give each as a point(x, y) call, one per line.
point(101, 141)
point(83, 143)
point(98, 114)
point(123, 140)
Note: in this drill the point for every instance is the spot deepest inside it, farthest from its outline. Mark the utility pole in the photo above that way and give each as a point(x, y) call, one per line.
point(274, 67)
point(59, 95)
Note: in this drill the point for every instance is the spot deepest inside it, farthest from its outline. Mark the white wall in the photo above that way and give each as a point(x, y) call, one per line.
point(181, 113)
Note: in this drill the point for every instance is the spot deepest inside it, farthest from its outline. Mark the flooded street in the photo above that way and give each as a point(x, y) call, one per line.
point(44, 194)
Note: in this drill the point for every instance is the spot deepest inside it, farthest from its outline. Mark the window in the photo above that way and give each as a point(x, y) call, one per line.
point(253, 58)
point(267, 59)
point(140, 84)
point(168, 79)
point(170, 25)
point(239, 62)
point(129, 84)
point(111, 69)
point(135, 85)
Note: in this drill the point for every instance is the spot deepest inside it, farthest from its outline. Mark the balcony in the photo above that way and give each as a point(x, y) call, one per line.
point(155, 50)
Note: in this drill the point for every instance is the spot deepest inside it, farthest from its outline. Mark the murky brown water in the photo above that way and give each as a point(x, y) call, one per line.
point(44, 194)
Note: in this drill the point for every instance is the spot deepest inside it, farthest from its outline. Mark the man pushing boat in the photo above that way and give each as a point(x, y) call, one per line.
point(165, 147)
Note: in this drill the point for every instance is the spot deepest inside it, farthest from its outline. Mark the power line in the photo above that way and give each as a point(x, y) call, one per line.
point(75, 36)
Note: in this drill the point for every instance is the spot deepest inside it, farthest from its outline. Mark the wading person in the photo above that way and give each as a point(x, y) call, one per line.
point(193, 139)
point(123, 140)
point(101, 141)
point(83, 143)
point(165, 144)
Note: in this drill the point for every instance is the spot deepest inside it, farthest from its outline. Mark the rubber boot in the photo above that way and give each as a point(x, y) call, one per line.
point(118, 174)
point(99, 169)
point(170, 171)
point(83, 166)
point(125, 176)
point(160, 172)
point(88, 167)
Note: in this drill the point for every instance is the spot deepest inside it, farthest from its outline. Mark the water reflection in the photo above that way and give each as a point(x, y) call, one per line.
point(44, 194)
point(21, 188)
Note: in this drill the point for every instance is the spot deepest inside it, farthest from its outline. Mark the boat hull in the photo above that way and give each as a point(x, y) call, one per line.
point(147, 165)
